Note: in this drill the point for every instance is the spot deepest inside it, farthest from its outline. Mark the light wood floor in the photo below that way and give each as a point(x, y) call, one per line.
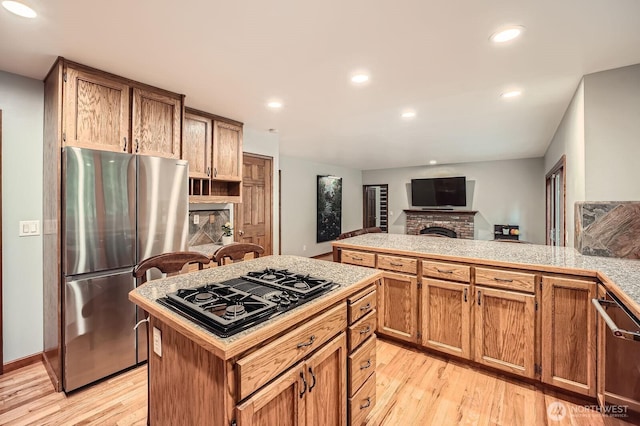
point(413, 389)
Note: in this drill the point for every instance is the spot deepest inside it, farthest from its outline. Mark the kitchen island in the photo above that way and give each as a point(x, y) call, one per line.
point(524, 309)
point(288, 367)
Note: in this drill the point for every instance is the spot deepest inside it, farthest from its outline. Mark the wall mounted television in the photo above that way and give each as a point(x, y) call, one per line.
point(439, 192)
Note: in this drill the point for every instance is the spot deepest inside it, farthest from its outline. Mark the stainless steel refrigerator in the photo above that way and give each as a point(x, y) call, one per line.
point(118, 210)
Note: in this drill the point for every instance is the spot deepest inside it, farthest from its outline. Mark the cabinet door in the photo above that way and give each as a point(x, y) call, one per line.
point(445, 317)
point(326, 385)
point(156, 124)
point(504, 330)
point(398, 306)
point(569, 334)
point(280, 403)
point(196, 145)
point(95, 112)
point(227, 151)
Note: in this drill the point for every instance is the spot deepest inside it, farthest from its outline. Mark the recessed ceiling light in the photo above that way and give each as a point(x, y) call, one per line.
point(409, 114)
point(19, 9)
point(273, 130)
point(511, 94)
point(360, 78)
point(507, 34)
point(275, 104)
point(432, 162)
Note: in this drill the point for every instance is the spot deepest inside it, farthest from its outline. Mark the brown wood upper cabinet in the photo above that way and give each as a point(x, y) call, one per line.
point(110, 113)
point(227, 151)
point(569, 334)
point(196, 144)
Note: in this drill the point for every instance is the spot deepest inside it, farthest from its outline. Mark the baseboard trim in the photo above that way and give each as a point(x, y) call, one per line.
point(322, 255)
point(21, 362)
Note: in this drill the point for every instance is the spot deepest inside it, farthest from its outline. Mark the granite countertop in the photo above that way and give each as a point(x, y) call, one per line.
point(206, 249)
point(624, 273)
point(343, 275)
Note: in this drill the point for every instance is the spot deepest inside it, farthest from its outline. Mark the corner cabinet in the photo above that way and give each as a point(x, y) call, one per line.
point(311, 393)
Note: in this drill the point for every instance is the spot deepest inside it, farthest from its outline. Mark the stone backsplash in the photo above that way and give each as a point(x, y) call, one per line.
point(608, 228)
point(208, 229)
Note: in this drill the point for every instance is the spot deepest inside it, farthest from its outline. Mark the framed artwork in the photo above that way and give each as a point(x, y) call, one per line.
point(329, 217)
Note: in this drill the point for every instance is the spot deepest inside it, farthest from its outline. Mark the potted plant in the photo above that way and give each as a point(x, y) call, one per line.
point(227, 233)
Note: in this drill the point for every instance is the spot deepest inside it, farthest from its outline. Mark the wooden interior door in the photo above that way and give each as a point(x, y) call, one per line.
point(1, 347)
point(446, 317)
point(370, 210)
point(253, 218)
point(374, 206)
point(556, 217)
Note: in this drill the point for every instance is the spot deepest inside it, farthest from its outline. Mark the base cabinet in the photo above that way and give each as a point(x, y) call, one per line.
point(569, 334)
point(311, 393)
point(504, 330)
point(446, 312)
point(398, 306)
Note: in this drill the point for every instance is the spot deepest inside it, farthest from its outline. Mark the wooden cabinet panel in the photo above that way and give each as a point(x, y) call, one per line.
point(326, 376)
point(509, 280)
point(398, 306)
point(569, 334)
point(227, 151)
point(196, 145)
point(156, 124)
point(362, 363)
point(257, 368)
point(363, 402)
point(398, 264)
point(446, 312)
point(504, 330)
point(276, 404)
point(362, 329)
point(446, 271)
point(95, 112)
point(359, 258)
point(362, 306)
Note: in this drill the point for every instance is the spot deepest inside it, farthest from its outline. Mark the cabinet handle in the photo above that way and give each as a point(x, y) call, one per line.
point(367, 365)
point(356, 258)
point(137, 145)
point(125, 144)
point(366, 404)
point(208, 171)
point(502, 280)
point(304, 384)
point(365, 330)
point(365, 307)
point(215, 172)
point(313, 385)
point(309, 343)
point(396, 264)
point(465, 294)
point(478, 297)
point(444, 271)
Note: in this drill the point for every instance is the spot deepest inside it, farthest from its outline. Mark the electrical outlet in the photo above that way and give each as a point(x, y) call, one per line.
point(196, 219)
point(157, 341)
point(304, 248)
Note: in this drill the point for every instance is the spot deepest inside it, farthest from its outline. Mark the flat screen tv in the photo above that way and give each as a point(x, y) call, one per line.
point(439, 192)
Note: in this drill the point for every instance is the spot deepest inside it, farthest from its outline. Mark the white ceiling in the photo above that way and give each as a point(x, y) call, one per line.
point(231, 57)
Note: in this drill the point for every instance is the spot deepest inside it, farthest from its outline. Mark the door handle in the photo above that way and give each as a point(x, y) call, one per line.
point(313, 385)
point(465, 294)
point(125, 144)
point(137, 145)
point(479, 297)
point(240, 232)
point(304, 385)
point(209, 171)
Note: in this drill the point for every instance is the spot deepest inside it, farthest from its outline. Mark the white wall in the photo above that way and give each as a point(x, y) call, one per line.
point(22, 105)
point(503, 192)
point(569, 140)
point(299, 199)
point(612, 134)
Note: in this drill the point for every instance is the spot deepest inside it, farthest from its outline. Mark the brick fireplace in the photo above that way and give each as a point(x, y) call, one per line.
point(458, 221)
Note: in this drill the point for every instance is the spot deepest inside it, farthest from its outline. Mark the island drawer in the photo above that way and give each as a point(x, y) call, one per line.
point(359, 258)
point(447, 271)
point(520, 281)
point(361, 364)
point(362, 329)
point(259, 367)
point(362, 306)
point(363, 402)
point(398, 264)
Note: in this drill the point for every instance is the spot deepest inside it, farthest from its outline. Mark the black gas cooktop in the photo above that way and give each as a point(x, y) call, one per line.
point(227, 307)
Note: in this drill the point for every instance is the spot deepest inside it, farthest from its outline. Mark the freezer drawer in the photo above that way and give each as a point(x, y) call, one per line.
point(99, 338)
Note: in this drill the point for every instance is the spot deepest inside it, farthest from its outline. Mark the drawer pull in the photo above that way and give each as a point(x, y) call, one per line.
point(502, 280)
point(365, 366)
point(396, 264)
point(365, 330)
point(444, 271)
point(304, 384)
point(313, 376)
point(366, 404)
point(356, 258)
point(309, 343)
point(365, 307)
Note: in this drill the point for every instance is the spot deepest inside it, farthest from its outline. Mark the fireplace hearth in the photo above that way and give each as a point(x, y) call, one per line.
point(460, 222)
point(438, 230)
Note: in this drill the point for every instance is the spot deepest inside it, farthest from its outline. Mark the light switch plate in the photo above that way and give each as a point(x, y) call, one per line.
point(29, 228)
point(196, 219)
point(157, 341)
